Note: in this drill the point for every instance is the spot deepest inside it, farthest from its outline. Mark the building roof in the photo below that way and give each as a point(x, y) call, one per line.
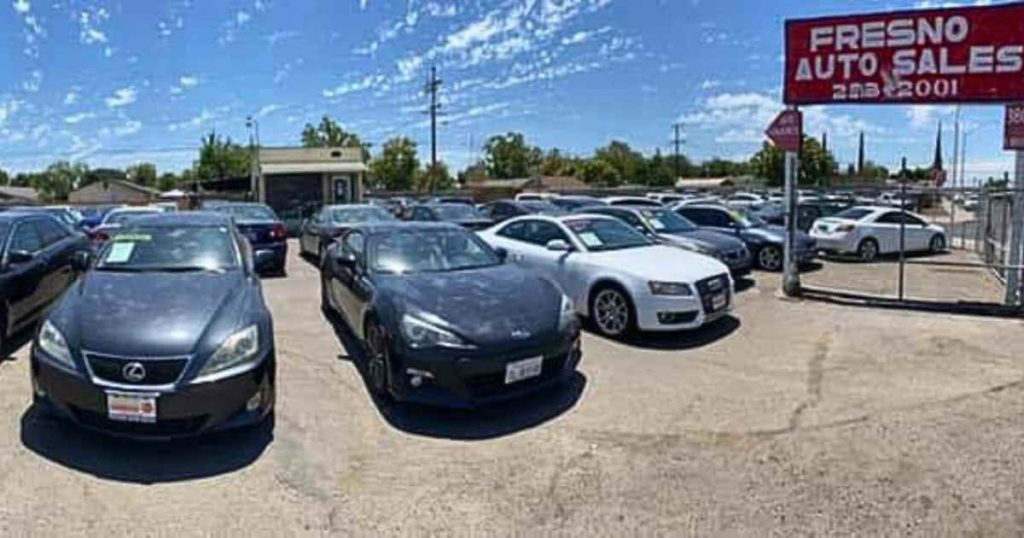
point(311, 160)
point(24, 194)
point(312, 168)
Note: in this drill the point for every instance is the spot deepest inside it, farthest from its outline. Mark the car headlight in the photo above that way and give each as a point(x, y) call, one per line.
point(703, 248)
point(567, 314)
point(52, 342)
point(420, 333)
point(236, 349)
point(678, 289)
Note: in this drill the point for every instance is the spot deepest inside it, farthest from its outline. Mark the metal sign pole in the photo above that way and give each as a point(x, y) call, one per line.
point(1013, 282)
point(791, 273)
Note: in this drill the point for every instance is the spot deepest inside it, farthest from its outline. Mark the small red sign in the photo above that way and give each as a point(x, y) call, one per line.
point(787, 130)
point(1013, 127)
point(949, 55)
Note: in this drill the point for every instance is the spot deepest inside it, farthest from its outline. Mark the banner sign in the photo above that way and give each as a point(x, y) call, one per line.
point(955, 55)
point(787, 130)
point(1013, 127)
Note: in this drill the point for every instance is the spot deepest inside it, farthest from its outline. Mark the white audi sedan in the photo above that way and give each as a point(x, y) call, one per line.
point(616, 276)
point(869, 231)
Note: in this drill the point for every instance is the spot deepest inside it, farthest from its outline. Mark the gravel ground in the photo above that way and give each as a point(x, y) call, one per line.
point(790, 418)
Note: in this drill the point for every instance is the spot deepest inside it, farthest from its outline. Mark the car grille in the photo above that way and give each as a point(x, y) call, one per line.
point(494, 383)
point(157, 371)
point(710, 287)
point(171, 427)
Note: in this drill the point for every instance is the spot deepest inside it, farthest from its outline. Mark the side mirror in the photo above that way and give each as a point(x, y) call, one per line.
point(20, 256)
point(82, 261)
point(502, 254)
point(345, 258)
point(558, 245)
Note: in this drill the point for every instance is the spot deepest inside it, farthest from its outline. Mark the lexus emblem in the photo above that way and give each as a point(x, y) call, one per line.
point(520, 334)
point(134, 372)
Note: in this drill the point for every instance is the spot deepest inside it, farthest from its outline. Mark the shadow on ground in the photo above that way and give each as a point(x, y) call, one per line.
point(683, 340)
point(142, 462)
point(488, 422)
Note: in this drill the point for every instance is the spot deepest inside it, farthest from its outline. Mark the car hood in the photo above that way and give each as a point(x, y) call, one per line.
point(719, 241)
point(149, 314)
point(777, 234)
point(662, 263)
point(483, 306)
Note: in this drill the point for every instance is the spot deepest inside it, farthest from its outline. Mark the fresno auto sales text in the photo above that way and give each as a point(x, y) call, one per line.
point(911, 55)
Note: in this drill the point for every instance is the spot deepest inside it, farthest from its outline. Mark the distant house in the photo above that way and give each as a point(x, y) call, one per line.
point(493, 189)
point(113, 191)
point(708, 183)
point(18, 196)
point(293, 181)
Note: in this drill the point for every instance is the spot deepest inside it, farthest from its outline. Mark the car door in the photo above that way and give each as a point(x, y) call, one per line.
point(58, 252)
point(352, 289)
point(918, 234)
point(886, 229)
point(27, 277)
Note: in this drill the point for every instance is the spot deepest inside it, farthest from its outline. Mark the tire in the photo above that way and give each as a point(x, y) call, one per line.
point(867, 250)
point(325, 303)
point(378, 360)
point(770, 258)
point(611, 311)
point(937, 244)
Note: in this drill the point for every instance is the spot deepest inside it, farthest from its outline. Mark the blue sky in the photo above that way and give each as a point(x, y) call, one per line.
point(112, 83)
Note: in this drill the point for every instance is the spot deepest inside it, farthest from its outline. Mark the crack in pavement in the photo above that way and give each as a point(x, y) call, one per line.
point(815, 376)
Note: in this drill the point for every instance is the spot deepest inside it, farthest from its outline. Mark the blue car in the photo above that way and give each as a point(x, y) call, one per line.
point(764, 241)
point(265, 232)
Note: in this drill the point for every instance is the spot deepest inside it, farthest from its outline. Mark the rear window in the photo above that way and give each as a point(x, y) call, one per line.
point(247, 212)
point(854, 213)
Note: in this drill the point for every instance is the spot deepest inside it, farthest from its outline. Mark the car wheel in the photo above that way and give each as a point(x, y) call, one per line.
point(612, 311)
point(937, 244)
point(378, 359)
point(770, 258)
point(325, 303)
point(867, 250)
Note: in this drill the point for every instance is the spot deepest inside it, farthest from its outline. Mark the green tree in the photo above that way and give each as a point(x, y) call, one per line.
point(555, 163)
point(395, 169)
point(102, 174)
point(660, 171)
point(769, 163)
point(816, 164)
point(330, 134)
point(436, 179)
point(474, 173)
point(220, 158)
point(168, 181)
point(58, 180)
point(509, 157)
point(599, 173)
point(4, 178)
point(628, 163)
point(142, 174)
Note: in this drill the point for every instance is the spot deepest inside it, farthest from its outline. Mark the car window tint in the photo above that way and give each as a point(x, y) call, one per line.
point(541, 232)
point(49, 231)
point(889, 218)
point(914, 221)
point(516, 230)
point(26, 238)
point(355, 243)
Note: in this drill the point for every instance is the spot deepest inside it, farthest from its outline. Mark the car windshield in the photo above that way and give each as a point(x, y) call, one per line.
point(170, 248)
point(121, 217)
point(606, 234)
point(247, 212)
point(746, 218)
point(666, 221)
point(4, 227)
point(429, 251)
point(457, 212)
point(355, 215)
point(575, 203)
point(853, 213)
point(540, 206)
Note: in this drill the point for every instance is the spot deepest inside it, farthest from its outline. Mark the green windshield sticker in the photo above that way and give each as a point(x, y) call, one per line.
point(120, 253)
point(590, 239)
point(132, 238)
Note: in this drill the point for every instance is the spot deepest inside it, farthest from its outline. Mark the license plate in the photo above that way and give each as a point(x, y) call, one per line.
point(719, 301)
point(524, 369)
point(131, 407)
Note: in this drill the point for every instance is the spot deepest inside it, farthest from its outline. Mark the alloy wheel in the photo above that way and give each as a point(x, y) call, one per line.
point(611, 312)
point(770, 258)
point(938, 244)
point(377, 359)
point(868, 251)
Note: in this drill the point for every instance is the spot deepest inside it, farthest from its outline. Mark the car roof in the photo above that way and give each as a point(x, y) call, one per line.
point(351, 206)
point(184, 218)
point(381, 227)
point(135, 209)
point(443, 204)
point(20, 213)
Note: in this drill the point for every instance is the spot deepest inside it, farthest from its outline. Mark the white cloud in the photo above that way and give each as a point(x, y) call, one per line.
point(279, 36)
point(926, 116)
point(78, 118)
point(195, 122)
point(32, 31)
point(8, 108)
point(89, 26)
point(268, 110)
point(129, 127)
point(21, 7)
point(33, 82)
point(710, 84)
point(122, 97)
point(188, 81)
point(367, 82)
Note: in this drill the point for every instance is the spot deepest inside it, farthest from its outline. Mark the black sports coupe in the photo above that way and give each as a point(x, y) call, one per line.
point(443, 319)
point(167, 335)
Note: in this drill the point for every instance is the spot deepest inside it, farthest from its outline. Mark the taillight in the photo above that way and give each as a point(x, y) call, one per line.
point(278, 232)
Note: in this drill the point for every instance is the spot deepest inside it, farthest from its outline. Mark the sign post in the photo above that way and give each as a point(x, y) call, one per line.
point(1013, 139)
point(786, 132)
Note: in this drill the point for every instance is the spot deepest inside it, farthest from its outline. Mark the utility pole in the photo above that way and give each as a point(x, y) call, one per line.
point(677, 141)
point(956, 149)
point(249, 122)
point(432, 86)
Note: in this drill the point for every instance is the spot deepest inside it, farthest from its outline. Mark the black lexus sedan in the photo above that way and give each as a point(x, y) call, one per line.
point(443, 319)
point(37, 255)
point(332, 221)
point(167, 335)
point(464, 215)
point(265, 232)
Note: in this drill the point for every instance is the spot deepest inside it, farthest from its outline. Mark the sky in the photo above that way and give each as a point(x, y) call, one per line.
point(118, 82)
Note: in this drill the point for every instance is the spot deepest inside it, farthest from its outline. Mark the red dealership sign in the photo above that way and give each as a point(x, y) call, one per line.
point(787, 130)
point(956, 55)
point(1013, 127)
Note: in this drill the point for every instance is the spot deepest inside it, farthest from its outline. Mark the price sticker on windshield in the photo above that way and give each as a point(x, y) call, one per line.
point(590, 239)
point(120, 252)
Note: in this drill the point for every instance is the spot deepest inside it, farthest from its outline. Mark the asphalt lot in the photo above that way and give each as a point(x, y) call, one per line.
point(789, 418)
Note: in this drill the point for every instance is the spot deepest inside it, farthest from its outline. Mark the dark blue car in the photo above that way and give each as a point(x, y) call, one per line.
point(265, 232)
point(765, 241)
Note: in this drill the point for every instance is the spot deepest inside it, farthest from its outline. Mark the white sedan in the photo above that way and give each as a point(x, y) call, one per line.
point(868, 231)
point(615, 275)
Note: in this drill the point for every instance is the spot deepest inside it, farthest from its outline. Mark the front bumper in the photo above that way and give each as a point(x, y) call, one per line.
point(669, 313)
point(471, 379)
point(185, 411)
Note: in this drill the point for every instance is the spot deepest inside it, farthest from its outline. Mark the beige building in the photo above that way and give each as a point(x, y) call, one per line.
point(113, 191)
point(295, 180)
